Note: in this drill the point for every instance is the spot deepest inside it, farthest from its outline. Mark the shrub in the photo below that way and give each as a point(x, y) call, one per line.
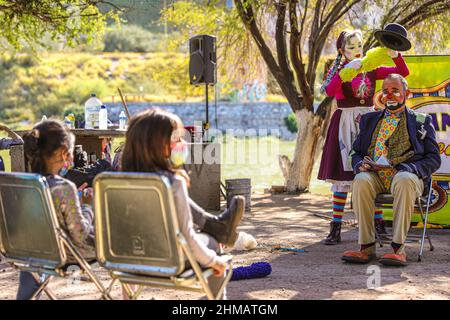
point(58, 81)
point(131, 38)
point(77, 110)
point(291, 123)
point(80, 90)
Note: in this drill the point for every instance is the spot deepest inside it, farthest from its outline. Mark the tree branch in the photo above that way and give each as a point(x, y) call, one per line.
point(424, 8)
point(320, 37)
point(247, 16)
point(335, 11)
point(280, 40)
point(427, 10)
point(296, 56)
point(324, 8)
point(303, 21)
point(422, 14)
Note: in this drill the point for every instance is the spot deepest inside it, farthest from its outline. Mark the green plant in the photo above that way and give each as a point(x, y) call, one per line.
point(132, 38)
point(24, 23)
point(291, 123)
point(57, 81)
point(77, 110)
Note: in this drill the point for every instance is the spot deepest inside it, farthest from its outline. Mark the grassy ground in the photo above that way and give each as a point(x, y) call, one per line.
point(261, 162)
point(253, 158)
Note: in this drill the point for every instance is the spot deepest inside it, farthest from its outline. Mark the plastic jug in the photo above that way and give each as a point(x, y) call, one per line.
point(91, 112)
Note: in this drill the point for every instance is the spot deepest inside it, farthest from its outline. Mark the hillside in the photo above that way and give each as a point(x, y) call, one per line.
point(31, 87)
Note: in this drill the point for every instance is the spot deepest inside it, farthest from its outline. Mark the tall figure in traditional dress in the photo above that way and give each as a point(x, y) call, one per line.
point(354, 98)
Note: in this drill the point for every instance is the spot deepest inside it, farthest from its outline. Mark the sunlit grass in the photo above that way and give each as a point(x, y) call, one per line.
point(254, 158)
point(257, 159)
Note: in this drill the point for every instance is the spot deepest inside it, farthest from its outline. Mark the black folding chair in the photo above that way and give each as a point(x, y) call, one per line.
point(138, 237)
point(31, 238)
point(422, 205)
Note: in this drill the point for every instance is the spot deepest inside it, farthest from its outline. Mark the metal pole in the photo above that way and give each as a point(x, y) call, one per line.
point(216, 94)
point(207, 107)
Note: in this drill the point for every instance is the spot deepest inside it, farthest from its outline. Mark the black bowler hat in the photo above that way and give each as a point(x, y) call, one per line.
point(393, 36)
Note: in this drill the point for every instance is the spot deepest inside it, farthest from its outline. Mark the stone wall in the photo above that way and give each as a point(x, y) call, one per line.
point(244, 116)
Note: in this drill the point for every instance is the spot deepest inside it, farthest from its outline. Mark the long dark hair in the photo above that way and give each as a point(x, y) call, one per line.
point(43, 141)
point(148, 134)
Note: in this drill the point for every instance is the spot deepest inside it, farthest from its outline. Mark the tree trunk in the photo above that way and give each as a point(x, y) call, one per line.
point(297, 173)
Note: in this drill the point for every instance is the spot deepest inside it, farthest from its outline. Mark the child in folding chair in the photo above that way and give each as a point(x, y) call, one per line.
point(154, 143)
point(222, 226)
point(6, 143)
point(48, 151)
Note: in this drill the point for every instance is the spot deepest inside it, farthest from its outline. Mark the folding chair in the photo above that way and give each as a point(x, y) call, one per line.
point(387, 199)
point(138, 237)
point(31, 238)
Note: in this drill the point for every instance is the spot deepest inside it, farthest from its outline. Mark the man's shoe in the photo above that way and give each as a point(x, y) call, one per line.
point(223, 227)
point(359, 257)
point(334, 237)
point(380, 230)
point(394, 259)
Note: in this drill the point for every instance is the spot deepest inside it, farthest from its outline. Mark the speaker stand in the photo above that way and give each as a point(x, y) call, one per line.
point(206, 124)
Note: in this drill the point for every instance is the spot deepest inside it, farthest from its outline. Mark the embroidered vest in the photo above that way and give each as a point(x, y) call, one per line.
point(350, 100)
point(399, 146)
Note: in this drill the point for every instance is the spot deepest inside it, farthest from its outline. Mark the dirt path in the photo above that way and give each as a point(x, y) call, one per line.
point(289, 221)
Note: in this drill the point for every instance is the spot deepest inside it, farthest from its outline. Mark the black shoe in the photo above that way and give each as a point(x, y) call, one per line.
point(223, 227)
point(335, 233)
point(380, 230)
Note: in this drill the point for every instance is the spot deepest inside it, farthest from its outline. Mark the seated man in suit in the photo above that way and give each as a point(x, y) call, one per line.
point(396, 152)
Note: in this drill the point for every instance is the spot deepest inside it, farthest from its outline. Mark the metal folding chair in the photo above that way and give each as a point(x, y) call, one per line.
point(138, 237)
point(387, 199)
point(31, 238)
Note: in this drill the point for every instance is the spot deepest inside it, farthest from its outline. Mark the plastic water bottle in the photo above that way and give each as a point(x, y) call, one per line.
point(122, 120)
point(91, 112)
point(103, 118)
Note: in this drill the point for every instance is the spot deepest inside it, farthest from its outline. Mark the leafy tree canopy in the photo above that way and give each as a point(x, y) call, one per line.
point(27, 23)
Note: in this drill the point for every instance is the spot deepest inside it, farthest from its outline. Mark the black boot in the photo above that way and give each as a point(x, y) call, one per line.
point(223, 227)
point(335, 233)
point(380, 230)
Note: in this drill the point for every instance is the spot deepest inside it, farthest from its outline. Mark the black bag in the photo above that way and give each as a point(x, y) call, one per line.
point(88, 173)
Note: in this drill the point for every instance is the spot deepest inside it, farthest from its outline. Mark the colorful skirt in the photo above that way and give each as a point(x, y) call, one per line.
point(335, 165)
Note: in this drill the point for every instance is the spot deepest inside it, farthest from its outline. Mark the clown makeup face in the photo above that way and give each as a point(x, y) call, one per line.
point(353, 47)
point(394, 95)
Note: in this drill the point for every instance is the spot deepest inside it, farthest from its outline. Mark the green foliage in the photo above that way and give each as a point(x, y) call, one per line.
point(238, 58)
point(132, 38)
point(291, 123)
point(27, 23)
point(59, 81)
point(77, 110)
point(143, 13)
